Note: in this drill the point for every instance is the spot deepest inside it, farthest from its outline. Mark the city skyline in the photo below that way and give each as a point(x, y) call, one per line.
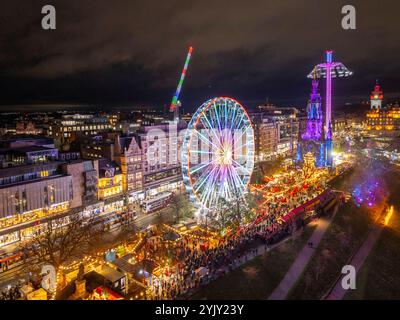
point(199, 151)
point(106, 58)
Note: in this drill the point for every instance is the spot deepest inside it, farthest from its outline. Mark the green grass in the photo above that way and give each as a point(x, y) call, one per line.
point(379, 277)
point(344, 236)
point(256, 279)
point(342, 182)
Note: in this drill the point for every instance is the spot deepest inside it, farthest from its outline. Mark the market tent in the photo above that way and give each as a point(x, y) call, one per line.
point(139, 270)
point(139, 247)
point(171, 236)
point(26, 289)
point(124, 264)
point(105, 293)
point(109, 273)
point(190, 223)
point(106, 276)
point(39, 294)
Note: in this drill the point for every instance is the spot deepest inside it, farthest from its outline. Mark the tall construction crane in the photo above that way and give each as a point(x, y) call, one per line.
point(174, 107)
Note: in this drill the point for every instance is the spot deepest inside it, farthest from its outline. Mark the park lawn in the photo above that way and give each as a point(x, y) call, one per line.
point(342, 182)
point(256, 279)
point(344, 236)
point(379, 277)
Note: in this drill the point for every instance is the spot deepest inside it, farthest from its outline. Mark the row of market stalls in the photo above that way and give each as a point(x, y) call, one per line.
point(127, 271)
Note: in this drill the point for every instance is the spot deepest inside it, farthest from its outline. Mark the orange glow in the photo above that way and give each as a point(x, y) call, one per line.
point(110, 186)
point(389, 215)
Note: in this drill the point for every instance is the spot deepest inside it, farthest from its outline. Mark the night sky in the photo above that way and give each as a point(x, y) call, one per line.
point(132, 52)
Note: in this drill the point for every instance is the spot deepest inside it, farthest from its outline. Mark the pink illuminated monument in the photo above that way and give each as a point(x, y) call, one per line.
point(329, 70)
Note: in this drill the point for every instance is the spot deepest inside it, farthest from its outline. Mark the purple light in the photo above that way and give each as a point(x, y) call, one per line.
point(314, 115)
point(329, 70)
point(328, 113)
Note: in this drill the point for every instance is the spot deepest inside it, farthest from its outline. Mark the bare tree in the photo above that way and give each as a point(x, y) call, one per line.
point(181, 207)
point(237, 211)
point(221, 216)
point(128, 224)
point(60, 242)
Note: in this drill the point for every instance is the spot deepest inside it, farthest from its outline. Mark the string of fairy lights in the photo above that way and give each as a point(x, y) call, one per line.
point(163, 265)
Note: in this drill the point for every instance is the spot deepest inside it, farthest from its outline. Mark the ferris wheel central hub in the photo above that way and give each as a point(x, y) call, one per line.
point(224, 156)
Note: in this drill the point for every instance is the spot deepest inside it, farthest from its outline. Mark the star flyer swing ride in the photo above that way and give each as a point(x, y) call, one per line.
point(218, 153)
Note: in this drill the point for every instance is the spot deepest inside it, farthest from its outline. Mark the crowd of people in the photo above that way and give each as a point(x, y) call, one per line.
point(197, 263)
point(191, 260)
point(11, 293)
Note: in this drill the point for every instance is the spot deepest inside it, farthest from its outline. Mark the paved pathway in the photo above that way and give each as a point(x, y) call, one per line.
point(357, 261)
point(246, 257)
point(298, 266)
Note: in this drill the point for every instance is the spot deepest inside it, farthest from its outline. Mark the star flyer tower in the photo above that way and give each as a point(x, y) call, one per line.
point(329, 70)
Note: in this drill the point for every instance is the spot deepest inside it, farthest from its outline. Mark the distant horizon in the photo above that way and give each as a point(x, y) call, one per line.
point(103, 58)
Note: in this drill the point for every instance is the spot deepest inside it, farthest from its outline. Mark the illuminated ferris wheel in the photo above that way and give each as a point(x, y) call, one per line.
point(218, 153)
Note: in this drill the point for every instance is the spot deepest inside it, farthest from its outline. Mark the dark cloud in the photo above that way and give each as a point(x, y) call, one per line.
point(132, 51)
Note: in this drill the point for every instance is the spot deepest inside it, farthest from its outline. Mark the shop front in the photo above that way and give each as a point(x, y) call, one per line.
point(9, 238)
point(135, 197)
point(175, 186)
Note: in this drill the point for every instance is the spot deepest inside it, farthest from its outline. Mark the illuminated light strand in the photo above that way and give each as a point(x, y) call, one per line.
point(229, 179)
point(182, 78)
point(388, 215)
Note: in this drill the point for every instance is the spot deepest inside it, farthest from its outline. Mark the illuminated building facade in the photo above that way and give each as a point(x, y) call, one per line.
point(129, 156)
point(50, 191)
point(275, 131)
point(85, 176)
point(379, 118)
point(27, 155)
point(28, 194)
point(110, 179)
point(29, 127)
point(66, 129)
point(161, 147)
point(266, 140)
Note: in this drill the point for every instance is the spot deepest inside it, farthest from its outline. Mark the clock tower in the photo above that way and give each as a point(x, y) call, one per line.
point(376, 97)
